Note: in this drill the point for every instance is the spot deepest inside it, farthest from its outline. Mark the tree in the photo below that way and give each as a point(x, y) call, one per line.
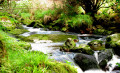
point(90, 6)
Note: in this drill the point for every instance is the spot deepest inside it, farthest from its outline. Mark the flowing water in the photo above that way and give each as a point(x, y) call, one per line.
point(52, 49)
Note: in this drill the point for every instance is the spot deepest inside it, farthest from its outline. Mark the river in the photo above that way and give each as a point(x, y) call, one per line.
point(52, 48)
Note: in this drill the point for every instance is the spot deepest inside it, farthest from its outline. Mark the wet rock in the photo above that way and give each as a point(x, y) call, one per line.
point(103, 64)
point(70, 46)
point(96, 45)
point(113, 41)
point(105, 54)
point(116, 68)
point(103, 57)
point(86, 62)
point(83, 48)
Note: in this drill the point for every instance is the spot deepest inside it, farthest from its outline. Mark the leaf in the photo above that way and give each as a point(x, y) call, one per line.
point(118, 64)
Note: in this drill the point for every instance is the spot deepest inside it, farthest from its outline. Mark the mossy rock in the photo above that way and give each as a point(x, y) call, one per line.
point(96, 45)
point(83, 48)
point(18, 31)
point(113, 41)
point(102, 31)
point(70, 46)
point(60, 38)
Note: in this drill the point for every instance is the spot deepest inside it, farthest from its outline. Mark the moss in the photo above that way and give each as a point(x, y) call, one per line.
point(64, 29)
point(23, 38)
point(85, 49)
point(113, 41)
point(68, 45)
point(53, 37)
point(96, 45)
point(60, 68)
point(18, 31)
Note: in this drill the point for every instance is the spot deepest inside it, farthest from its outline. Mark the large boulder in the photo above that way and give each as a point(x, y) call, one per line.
point(86, 62)
point(113, 41)
point(103, 57)
point(96, 45)
point(105, 54)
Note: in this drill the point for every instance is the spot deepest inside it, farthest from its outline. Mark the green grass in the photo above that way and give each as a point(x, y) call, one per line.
point(19, 60)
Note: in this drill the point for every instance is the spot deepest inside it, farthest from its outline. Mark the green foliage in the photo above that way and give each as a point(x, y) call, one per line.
point(2, 27)
point(41, 13)
point(117, 0)
point(25, 15)
point(4, 13)
point(79, 20)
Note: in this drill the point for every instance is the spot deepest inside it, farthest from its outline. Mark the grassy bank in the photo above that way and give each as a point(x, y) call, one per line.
point(14, 58)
